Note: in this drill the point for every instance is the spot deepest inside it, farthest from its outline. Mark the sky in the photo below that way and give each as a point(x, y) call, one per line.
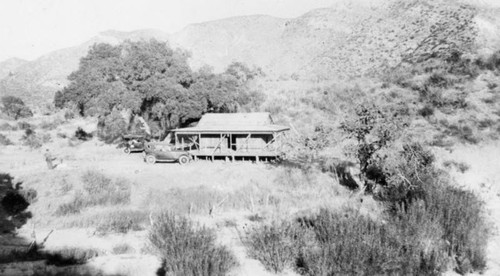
point(31, 28)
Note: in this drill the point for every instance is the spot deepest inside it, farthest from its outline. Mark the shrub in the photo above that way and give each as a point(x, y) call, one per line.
point(95, 182)
point(429, 225)
point(46, 138)
point(349, 243)
point(50, 125)
point(69, 114)
point(421, 196)
point(72, 207)
point(24, 125)
point(187, 249)
point(426, 111)
point(122, 248)
point(15, 107)
point(81, 134)
point(461, 216)
point(70, 256)
point(276, 246)
point(111, 127)
point(490, 63)
point(463, 132)
point(13, 203)
point(345, 243)
point(7, 127)
point(102, 190)
point(98, 189)
point(486, 123)
point(31, 139)
point(460, 166)
point(4, 141)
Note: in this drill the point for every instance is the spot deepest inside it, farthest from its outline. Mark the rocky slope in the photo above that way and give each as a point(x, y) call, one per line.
point(350, 39)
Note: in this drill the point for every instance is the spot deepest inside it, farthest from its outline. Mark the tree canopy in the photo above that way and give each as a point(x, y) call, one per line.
point(154, 81)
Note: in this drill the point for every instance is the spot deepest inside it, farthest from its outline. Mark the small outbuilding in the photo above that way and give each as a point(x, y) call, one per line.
point(232, 135)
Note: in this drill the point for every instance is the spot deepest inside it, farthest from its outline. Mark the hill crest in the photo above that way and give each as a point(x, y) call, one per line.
point(347, 40)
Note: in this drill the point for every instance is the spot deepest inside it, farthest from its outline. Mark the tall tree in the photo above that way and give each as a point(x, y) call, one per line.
point(153, 81)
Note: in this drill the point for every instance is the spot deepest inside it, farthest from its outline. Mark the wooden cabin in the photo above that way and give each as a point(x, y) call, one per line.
point(232, 135)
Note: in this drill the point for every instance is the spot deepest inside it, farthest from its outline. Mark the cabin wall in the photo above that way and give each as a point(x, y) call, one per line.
point(255, 142)
point(231, 144)
point(211, 141)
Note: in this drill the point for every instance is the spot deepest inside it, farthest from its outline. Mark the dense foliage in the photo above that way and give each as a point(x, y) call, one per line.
point(154, 81)
point(14, 200)
point(14, 107)
point(429, 227)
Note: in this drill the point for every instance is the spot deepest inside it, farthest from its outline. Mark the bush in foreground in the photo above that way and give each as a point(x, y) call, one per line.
point(428, 237)
point(187, 249)
point(276, 246)
point(430, 227)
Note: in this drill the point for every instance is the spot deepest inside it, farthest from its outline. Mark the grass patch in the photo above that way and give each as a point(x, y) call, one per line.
point(102, 190)
point(122, 221)
point(188, 249)
point(98, 189)
point(122, 248)
point(110, 220)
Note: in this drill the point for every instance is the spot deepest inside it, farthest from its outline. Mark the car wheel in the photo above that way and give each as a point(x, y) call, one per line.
point(183, 160)
point(150, 159)
point(126, 150)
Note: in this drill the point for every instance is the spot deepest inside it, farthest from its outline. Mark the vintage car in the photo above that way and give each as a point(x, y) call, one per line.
point(161, 152)
point(133, 143)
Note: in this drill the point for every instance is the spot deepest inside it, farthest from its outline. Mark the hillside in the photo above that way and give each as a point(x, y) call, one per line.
point(10, 65)
point(346, 40)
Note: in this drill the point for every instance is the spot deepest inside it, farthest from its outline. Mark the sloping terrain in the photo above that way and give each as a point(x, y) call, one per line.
point(345, 40)
point(10, 65)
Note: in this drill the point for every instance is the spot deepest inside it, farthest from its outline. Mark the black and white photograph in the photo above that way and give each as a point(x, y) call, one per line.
point(249, 137)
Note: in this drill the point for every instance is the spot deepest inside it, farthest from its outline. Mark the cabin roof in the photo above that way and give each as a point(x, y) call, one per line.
point(235, 122)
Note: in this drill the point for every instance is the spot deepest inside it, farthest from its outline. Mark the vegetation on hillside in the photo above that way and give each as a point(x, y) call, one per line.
point(430, 226)
point(15, 108)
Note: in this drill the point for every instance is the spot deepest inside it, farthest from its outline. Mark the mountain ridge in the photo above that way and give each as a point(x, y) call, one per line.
point(343, 41)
